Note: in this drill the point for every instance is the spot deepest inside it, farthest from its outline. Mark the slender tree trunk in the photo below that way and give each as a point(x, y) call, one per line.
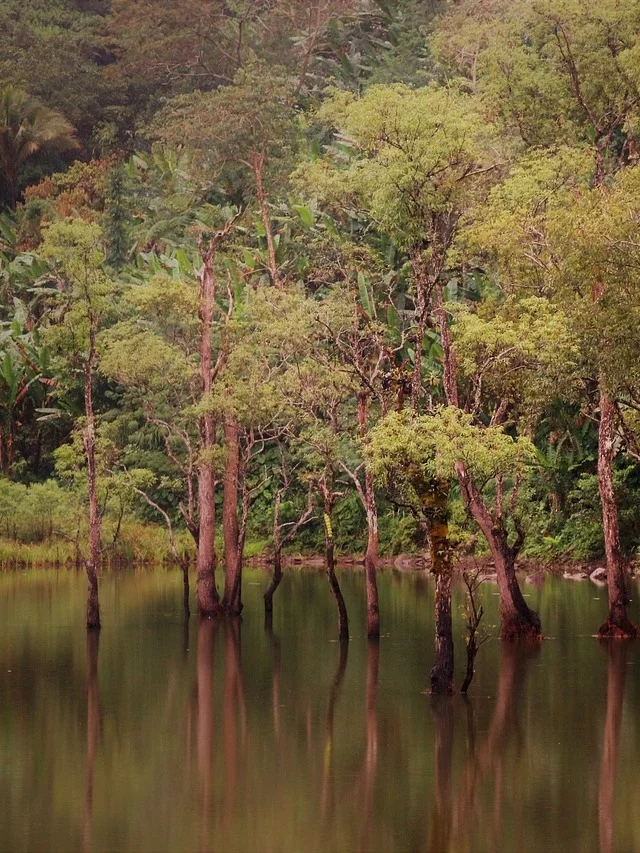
point(617, 671)
point(617, 624)
point(518, 620)
point(185, 590)
point(95, 521)
point(371, 556)
point(343, 619)
point(232, 598)
point(257, 164)
point(208, 598)
point(274, 583)
point(440, 552)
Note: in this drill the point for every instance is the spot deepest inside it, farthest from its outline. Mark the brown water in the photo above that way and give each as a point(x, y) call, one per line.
point(166, 738)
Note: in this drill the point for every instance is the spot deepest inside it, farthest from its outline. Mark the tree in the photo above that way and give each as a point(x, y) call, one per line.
point(77, 252)
point(27, 127)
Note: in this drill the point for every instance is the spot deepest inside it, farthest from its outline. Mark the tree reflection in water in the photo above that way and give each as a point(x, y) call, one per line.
point(93, 729)
point(616, 651)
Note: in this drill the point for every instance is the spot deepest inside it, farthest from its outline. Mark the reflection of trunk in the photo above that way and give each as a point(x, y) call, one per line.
point(93, 726)
point(489, 756)
point(440, 553)
point(371, 754)
point(617, 671)
point(617, 624)
point(95, 522)
point(275, 693)
point(440, 830)
point(206, 637)
point(232, 599)
point(233, 710)
point(327, 786)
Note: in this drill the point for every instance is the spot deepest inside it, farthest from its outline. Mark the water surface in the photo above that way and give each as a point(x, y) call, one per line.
point(166, 737)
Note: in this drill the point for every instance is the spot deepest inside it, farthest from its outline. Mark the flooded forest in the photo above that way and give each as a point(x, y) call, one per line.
point(319, 425)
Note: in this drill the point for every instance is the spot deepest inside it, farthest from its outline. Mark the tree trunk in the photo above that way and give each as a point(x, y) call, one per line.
point(275, 582)
point(95, 522)
point(442, 671)
point(185, 590)
point(518, 620)
point(343, 619)
point(617, 624)
point(371, 556)
point(208, 599)
point(232, 598)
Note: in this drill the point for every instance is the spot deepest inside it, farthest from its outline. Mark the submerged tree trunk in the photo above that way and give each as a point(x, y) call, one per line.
point(442, 671)
point(274, 583)
point(518, 620)
point(232, 598)
point(368, 497)
point(95, 521)
point(617, 624)
point(208, 599)
point(343, 619)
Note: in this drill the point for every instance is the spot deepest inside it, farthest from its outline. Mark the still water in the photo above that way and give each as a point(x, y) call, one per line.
point(166, 737)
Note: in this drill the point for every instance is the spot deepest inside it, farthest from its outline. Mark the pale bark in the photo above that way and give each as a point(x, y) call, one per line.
point(617, 624)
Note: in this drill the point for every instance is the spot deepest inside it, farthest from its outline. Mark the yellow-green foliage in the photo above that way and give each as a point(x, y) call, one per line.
point(403, 445)
point(417, 153)
point(515, 53)
point(522, 350)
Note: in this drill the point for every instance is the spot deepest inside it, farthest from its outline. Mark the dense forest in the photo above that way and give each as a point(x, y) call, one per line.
point(337, 276)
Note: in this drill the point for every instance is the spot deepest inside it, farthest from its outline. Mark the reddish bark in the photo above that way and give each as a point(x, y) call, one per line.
point(617, 624)
point(518, 620)
point(208, 598)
